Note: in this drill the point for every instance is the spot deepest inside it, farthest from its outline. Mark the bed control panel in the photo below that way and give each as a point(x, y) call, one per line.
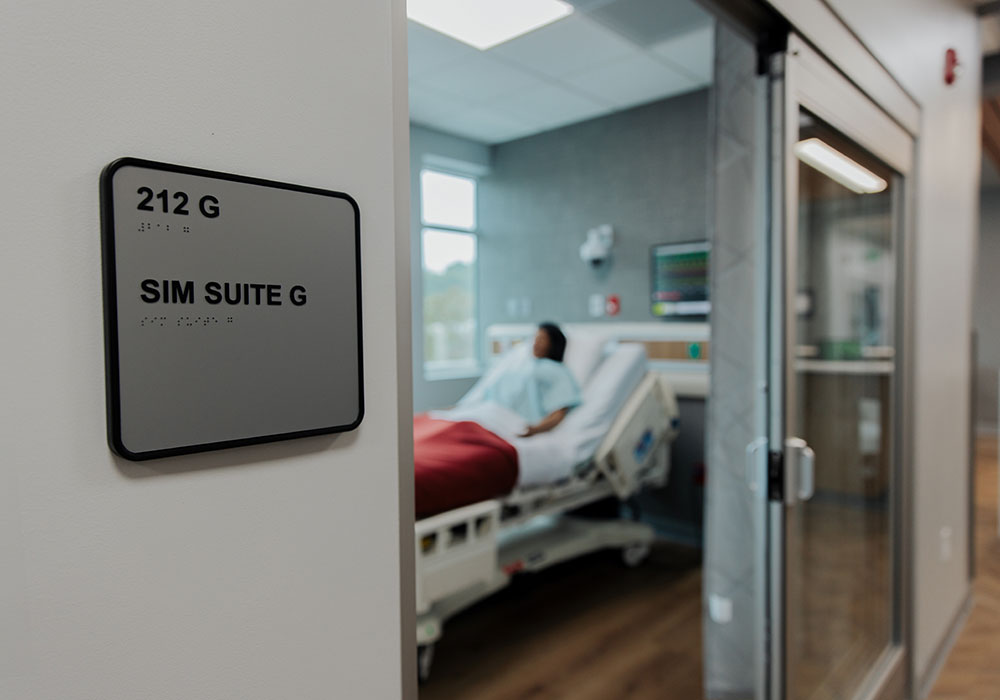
point(645, 424)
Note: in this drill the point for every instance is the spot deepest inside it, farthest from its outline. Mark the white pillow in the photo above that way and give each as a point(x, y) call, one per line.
point(609, 389)
point(584, 351)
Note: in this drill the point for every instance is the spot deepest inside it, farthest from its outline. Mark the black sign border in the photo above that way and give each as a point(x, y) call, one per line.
point(110, 286)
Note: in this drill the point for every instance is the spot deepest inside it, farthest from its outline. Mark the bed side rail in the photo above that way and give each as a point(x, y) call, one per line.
point(456, 550)
point(647, 422)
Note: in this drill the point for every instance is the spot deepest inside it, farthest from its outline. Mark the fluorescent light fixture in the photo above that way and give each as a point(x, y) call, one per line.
point(486, 23)
point(836, 165)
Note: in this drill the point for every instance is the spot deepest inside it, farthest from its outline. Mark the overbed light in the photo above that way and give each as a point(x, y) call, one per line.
point(486, 23)
point(839, 167)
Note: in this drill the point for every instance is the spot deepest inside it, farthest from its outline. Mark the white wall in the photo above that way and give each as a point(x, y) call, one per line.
point(910, 38)
point(429, 147)
point(265, 572)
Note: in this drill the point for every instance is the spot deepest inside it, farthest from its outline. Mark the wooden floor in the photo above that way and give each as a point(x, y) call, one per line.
point(588, 629)
point(972, 671)
point(839, 595)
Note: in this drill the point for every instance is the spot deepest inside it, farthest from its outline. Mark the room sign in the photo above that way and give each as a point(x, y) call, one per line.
point(232, 309)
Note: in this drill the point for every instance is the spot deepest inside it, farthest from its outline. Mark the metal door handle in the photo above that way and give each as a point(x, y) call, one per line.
point(800, 470)
point(807, 474)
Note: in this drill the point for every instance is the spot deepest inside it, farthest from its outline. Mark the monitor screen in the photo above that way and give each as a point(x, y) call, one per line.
point(680, 279)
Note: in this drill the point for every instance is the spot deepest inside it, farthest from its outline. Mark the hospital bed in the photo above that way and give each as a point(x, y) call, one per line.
point(614, 444)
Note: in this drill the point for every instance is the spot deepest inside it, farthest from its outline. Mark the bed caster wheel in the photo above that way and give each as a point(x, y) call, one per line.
point(425, 657)
point(635, 554)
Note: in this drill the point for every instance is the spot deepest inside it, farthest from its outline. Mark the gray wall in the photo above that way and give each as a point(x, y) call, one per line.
point(986, 320)
point(430, 148)
point(642, 170)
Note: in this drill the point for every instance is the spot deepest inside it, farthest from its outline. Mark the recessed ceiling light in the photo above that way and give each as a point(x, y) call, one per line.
point(834, 164)
point(486, 23)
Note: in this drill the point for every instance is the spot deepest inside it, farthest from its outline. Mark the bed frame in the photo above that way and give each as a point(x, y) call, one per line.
point(467, 554)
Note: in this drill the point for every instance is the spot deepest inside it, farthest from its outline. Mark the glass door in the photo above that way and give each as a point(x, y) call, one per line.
point(835, 584)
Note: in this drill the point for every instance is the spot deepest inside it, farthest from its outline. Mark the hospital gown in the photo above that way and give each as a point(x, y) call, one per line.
point(533, 388)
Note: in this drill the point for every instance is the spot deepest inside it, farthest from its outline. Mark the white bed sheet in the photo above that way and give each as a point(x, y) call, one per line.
point(553, 456)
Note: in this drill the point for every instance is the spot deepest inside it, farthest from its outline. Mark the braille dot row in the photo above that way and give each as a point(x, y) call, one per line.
point(183, 320)
point(149, 226)
point(204, 321)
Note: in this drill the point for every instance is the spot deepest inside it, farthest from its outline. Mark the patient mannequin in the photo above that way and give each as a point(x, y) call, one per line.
point(540, 389)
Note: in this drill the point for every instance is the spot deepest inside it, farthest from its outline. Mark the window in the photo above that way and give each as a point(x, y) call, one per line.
point(447, 200)
point(449, 245)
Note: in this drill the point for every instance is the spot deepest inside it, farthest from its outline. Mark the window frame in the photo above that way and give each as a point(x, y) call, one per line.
point(461, 369)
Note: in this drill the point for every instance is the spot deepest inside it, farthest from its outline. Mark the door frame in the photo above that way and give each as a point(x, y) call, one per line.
point(802, 78)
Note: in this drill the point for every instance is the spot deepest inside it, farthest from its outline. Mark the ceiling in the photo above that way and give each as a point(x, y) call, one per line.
point(606, 56)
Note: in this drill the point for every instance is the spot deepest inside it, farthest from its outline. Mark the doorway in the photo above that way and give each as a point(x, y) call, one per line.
point(563, 175)
point(836, 575)
point(805, 559)
point(798, 570)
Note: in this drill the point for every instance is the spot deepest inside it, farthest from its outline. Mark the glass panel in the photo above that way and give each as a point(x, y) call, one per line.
point(839, 545)
point(735, 413)
point(447, 200)
point(449, 277)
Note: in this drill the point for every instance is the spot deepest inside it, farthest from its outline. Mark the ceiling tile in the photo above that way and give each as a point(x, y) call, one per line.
point(491, 126)
point(480, 78)
point(647, 22)
point(550, 106)
point(566, 72)
point(428, 50)
point(483, 124)
point(588, 5)
point(633, 80)
point(694, 52)
point(429, 106)
point(563, 47)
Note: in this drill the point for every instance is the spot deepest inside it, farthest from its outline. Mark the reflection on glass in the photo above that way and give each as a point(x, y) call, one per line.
point(839, 549)
point(837, 166)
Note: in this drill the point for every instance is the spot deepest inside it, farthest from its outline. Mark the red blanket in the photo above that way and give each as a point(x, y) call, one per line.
point(457, 464)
